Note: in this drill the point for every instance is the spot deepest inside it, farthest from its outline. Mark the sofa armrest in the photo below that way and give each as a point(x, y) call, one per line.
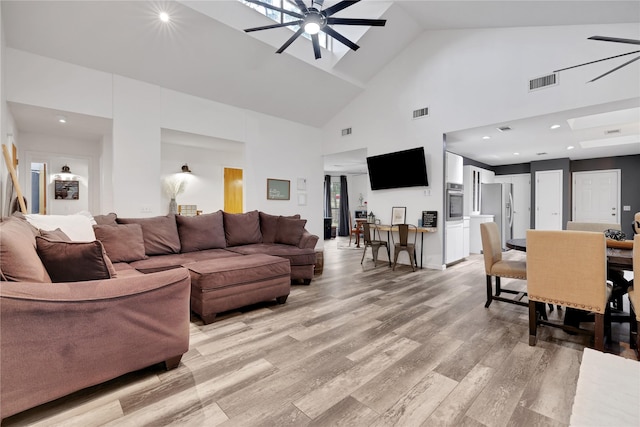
point(59, 338)
point(308, 240)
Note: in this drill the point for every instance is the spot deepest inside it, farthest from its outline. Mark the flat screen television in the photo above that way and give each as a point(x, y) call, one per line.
point(406, 168)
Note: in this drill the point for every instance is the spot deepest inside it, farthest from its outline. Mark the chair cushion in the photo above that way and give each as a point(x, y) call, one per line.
point(242, 229)
point(122, 242)
point(74, 261)
point(512, 269)
point(201, 232)
point(160, 234)
point(18, 256)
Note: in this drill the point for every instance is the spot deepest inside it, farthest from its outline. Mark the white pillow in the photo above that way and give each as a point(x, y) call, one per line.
point(77, 227)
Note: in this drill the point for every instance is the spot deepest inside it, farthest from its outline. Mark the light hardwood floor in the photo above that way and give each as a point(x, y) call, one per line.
point(360, 346)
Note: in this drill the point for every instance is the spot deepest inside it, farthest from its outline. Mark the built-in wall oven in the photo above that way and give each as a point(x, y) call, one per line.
point(454, 202)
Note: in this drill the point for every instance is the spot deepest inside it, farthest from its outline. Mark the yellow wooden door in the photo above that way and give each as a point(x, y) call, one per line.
point(233, 190)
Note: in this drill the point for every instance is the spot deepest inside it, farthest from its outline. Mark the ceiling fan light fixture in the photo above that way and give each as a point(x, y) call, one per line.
point(314, 21)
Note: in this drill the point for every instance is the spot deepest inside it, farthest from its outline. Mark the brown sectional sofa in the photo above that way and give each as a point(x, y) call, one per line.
point(101, 309)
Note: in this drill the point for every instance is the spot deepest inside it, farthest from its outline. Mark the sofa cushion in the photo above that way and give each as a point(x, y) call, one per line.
point(56, 234)
point(160, 234)
point(242, 229)
point(296, 255)
point(201, 232)
point(74, 261)
point(78, 227)
point(18, 256)
point(290, 230)
point(122, 242)
point(108, 219)
point(269, 226)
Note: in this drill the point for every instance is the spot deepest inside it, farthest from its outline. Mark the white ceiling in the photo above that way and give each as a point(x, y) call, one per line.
point(204, 52)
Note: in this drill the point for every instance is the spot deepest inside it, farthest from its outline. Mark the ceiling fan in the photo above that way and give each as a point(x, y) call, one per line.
point(608, 39)
point(314, 19)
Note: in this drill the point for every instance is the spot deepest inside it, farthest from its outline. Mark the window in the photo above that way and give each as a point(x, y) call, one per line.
point(335, 202)
point(283, 17)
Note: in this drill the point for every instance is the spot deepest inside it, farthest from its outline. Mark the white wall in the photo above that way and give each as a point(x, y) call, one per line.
point(469, 78)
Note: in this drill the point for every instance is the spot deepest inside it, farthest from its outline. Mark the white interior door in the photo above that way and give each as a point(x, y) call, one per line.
point(596, 196)
point(548, 200)
point(521, 202)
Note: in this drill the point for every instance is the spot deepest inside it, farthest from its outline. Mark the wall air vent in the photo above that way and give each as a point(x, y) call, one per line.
point(422, 112)
point(346, 131)
point(504, 128)
point(612, 131)
point(542, 82)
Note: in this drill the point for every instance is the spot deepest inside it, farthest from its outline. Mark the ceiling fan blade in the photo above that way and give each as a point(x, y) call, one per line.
point(338, 7)
point(342, 39)
point(291, 40)
point(598, 60)
point(276, 8)
point(301, 5)
point(353, 21)
point(268, 27)
point(316, 46)
point(614, 39)
point(617, 68)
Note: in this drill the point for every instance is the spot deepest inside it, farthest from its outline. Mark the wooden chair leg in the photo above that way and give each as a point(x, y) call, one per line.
point(498, 289)
point(633, 328)
point(489, 292)
point(599, 332)
point(533, 323)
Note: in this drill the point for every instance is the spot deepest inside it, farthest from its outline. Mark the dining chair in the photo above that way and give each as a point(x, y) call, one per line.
point(405, 245)
point(636, 223)
point(634, 300)
point(355, 230)
point(495, 266)
point(568, 268)
point(373, 243)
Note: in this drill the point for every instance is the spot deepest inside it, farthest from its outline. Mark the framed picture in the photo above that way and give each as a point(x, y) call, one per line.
point(278, 189)
point(66, 190)
point(398, 215)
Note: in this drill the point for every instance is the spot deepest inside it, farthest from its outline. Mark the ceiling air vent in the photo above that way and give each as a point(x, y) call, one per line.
point(504, 128)
point(346, 131)
point(422, 112)
point(542, 82)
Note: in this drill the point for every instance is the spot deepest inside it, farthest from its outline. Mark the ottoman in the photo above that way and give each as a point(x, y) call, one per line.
point(225, 284)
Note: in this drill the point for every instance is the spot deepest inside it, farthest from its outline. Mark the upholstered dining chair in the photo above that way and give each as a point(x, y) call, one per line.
point(405, 245)
point(374, 244)
point(568, 268)
point(495, 266)
point(634, 299)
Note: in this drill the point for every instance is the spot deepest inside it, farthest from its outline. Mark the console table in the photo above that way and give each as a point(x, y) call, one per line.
point(392, 228)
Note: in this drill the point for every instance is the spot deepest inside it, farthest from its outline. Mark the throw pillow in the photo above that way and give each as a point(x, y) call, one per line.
point(269, 226)
point(123, 243)
point(74, 261)
point(242, 229)
point(78, 227)
point(290, 230)
point(108, 219)
point(56, 234)
point(201, 232)
point(160, 233)
point(19, 260)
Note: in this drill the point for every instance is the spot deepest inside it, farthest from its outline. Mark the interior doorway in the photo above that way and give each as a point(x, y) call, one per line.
point(549, 200)
point(596, 196)
point(38, 188)
point(233, 190)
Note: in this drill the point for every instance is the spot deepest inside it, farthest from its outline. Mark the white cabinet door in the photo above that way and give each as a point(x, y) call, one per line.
point(454, 242)
point(454, 172)
point(549, 200)
point(475, 240)
point(465, 237)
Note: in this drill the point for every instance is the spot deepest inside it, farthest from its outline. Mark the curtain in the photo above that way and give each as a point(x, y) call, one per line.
point(343, 229)
point(327, 196)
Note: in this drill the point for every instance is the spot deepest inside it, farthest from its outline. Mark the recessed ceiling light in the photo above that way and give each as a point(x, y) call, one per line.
point(62, 119)
point(571, 147)
point(516, 154)
point(164, 16)
point(554, 126)
point(486, 137)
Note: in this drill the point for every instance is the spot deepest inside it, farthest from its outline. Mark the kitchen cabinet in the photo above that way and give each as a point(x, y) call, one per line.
point(465, 236)
point(454, 241)
point(475, 239)
point(454, 168)
point(473, 177)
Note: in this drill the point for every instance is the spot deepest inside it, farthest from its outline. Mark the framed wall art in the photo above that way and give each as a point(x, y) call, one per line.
point(398, 215)
point(66, 190)
point(278, 189)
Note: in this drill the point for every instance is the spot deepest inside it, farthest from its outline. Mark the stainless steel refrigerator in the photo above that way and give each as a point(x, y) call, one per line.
point(497, 200)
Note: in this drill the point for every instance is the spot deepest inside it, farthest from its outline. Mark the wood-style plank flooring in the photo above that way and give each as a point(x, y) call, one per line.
point(360, 346)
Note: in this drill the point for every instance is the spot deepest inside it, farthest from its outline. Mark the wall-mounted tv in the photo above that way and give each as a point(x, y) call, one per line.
point(406, 168)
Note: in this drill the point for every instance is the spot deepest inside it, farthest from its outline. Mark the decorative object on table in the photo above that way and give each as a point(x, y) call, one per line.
point(614, 234)
point(429, 219)
point(66, 190)
point(398, 215)
point(313, 19)
point(372, 218)
point(174, 185)
point(188, 210)
point(278, 189)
